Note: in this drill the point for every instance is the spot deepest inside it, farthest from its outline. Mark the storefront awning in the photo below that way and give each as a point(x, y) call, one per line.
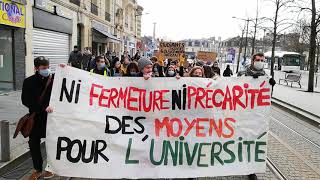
point(102, 30)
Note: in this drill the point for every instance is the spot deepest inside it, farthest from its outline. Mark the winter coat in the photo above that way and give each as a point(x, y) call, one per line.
point(31, 92)
point(227, 72)
point(75, 59)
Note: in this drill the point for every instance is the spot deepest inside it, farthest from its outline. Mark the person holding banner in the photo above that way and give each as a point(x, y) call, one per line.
point(256, 68)
point(132, 70)
point(36, 92)
point(197, 71)
point(101, 67)
point(216, 68)
point(145, 67)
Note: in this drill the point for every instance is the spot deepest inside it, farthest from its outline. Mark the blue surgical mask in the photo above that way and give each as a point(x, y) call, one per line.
point(171, 73)
point(101, 66)
point(134, 73)
point(45, 72)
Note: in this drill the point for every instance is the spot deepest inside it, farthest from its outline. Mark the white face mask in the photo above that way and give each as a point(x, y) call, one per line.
point(258, 65)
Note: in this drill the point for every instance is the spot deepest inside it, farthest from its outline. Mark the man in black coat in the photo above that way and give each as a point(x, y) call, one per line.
point(32, 89)
point(75, 58)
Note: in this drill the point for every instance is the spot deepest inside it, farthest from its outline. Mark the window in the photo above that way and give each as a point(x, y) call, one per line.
point(131, 22)
point(108, 10)
point(126, 19)
point(76, 2)
point(94, 7)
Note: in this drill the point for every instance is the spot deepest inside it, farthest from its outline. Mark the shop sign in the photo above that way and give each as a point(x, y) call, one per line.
point(12, 14)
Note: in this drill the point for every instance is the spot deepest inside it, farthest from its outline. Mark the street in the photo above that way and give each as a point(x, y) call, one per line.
point(141, 89)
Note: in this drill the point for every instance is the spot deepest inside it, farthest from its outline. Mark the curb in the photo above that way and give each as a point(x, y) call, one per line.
point(297, 112)
point(13, 164)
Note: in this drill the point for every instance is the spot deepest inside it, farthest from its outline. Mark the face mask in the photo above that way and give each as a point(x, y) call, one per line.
point(258, 65)
point(45, 72)
point(171, 73)
point(155, 69)
point(134, 73)
point(101, 66)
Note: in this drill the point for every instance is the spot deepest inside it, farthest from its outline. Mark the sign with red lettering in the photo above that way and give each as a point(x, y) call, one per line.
point(128, 127)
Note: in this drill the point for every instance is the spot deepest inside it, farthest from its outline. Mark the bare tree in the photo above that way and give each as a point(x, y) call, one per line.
point(312, 50)
point(313, 31)
point(280, 6)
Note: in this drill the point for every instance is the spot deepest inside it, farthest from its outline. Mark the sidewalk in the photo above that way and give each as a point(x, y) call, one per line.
point(12, 110)
point(298, 97)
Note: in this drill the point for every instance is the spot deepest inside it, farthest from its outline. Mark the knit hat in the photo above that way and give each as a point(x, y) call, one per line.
point(143, 62)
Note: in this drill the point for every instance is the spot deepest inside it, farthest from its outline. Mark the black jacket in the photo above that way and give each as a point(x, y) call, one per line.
point(227, 73)
point(75, 58)
point(31, 92)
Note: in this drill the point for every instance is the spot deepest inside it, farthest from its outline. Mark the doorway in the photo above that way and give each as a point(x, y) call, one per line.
point(6, 60)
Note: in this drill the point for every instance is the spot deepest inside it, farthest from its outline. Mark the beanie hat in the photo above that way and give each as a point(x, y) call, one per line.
point(143, 62)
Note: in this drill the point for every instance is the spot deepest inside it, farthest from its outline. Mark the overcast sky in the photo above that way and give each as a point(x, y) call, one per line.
point(184, 19)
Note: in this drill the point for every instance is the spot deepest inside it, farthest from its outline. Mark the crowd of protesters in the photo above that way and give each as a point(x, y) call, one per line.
point(109, 65)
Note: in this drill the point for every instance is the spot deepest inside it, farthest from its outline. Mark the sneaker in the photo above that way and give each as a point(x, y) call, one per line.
point(35, 175)
point(47, 175)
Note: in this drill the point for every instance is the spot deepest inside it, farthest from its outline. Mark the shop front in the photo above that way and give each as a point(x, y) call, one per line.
point(52, 30)
point(102, 40)
point(12, 45)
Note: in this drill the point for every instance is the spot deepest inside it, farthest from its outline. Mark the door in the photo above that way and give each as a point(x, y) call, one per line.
point(6, 60)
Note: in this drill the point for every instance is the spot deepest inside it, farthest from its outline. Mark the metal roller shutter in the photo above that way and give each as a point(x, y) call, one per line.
point(53, 45)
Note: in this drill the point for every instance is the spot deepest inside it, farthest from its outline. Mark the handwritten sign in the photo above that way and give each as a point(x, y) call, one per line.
point(159, 128)
point(12, 14)
point(172, 50)
point(206, 56)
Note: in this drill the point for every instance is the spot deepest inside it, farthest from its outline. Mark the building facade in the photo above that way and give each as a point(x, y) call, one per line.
point(52, 27)
point(195, 45)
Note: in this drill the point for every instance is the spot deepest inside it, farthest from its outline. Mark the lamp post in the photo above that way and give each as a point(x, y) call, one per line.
point(246, 41)
point(137, 13)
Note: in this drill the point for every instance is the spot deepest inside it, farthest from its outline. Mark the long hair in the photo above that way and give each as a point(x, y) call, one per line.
point(194, 69)
point(132, 65)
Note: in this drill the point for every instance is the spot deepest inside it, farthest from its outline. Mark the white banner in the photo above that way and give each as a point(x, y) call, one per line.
point(159, 128)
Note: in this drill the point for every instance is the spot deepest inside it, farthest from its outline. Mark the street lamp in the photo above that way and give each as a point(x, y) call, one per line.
point(138, 13)
point(246, 41)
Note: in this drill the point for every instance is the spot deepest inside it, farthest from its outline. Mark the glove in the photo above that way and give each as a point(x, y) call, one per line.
point(181, 60)
point(161, 59)
point(272, 82)
point(255, 76)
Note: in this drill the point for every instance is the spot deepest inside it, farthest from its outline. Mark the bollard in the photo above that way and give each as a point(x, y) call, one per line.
point(5, 141)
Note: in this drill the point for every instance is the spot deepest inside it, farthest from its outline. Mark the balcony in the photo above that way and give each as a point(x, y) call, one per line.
point(76, 2)
point(108, 16)
point(94, 9)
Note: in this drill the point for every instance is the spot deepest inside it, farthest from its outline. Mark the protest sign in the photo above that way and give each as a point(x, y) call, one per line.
point(172, 50)
point(158, 128)
point(206, 56)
